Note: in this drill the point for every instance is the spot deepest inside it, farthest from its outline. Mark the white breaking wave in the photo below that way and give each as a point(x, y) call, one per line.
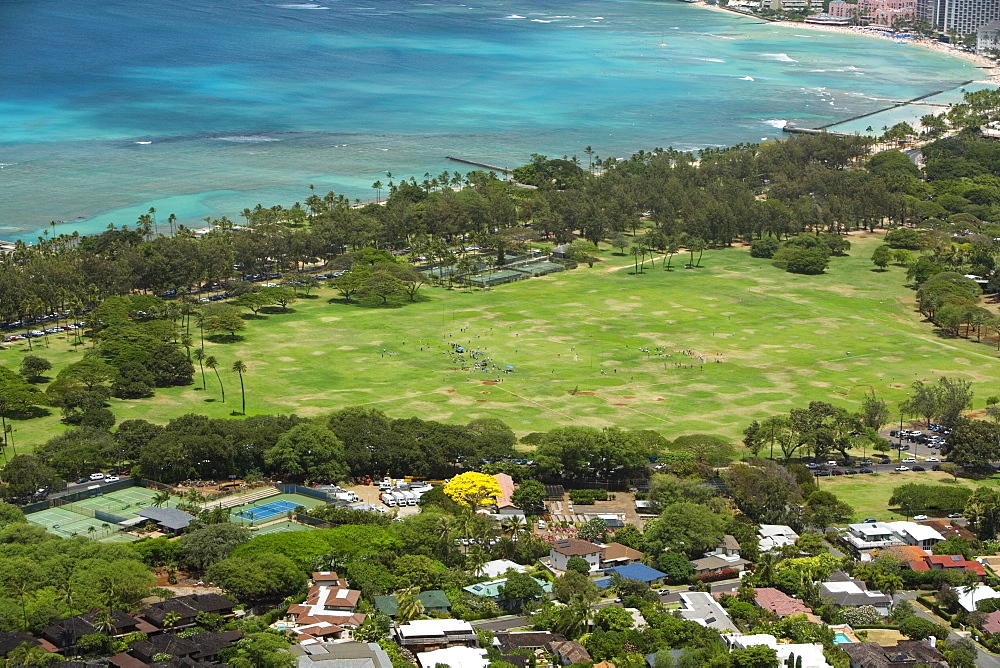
point(305, 5)
point(541, 21)
point(747, 78)
point(783, 57)
point(778, 123)
point(515, 16)
point(247, 139)
point(143, 143)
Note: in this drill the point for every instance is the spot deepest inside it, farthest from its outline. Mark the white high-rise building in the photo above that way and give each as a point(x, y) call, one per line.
point(964, 17)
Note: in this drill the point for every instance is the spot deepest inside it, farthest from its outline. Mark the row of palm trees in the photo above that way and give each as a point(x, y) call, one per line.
point(238, 367)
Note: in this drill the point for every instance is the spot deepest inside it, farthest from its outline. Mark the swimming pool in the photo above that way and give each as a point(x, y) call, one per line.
point(841, 638)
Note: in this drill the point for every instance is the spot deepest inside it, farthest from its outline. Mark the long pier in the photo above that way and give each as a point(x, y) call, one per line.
point(478, 164)
point(895, 105)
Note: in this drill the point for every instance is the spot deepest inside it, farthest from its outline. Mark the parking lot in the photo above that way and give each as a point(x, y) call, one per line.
point(912, 450)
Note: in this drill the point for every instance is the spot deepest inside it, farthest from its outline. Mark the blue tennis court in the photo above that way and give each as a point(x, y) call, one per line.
point(264, 511)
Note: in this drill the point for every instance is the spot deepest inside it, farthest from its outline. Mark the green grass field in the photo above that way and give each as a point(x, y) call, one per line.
point(869, 494)
point(782, 341)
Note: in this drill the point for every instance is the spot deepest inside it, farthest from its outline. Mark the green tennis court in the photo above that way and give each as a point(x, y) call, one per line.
point(124, 503)
point(67, 523)
point(281, 527)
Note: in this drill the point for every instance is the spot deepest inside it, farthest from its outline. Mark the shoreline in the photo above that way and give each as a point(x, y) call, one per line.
point(990, 68)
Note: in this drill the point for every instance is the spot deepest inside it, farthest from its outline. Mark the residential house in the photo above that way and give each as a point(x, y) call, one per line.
point(424, 635)
point(718, 565)
point(498, 567)
point(905, 654)
point(991, 624)
point(616, 554)
point(846, 592)
point(332, 603)
point(565, 549)
point(11, 640)
point(912, 533)
point(340, 655)
point(570, 651)
point(433, 600)
point(863, 538)
point(541, 643)
point(728, 547)
point(780, 603)
point(700, 607)
point(491, 589)
point(184, 610)
point(201, 648)
point(65, 633)
point(968, 597)
point(165, 643)
point(638, 572)
point(941, 562)
point(803, 655)
point(775, 536)
point(454, 657)
point(505, 506)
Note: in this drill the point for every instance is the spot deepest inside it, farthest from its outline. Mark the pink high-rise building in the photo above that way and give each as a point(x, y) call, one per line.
point(883, 12)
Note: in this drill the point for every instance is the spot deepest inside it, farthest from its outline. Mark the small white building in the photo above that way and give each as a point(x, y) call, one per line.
point(701, 607)
point(811, 655)
point(454, 657)
point(775, 536)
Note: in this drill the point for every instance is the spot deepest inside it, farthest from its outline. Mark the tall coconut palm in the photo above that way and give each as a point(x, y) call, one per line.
point(213, 364)
point(241, 368)
point(160, 498)
point(199, 355)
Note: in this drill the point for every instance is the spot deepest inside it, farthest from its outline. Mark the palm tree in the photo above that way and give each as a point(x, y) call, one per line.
point(160, 498)
point(199, 354)
point(212, 364)
point(443, 532)
point(409, 606)
point(378, 191)
point(240, 368)
point(170, 620)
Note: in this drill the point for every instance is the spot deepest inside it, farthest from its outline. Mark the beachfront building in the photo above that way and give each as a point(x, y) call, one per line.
point(962, 17)
point(785, 5)
point(988, 39)
point(882, 12)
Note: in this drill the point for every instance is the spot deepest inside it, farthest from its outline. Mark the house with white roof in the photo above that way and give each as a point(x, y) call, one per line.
point(701, 607)
point(454, 657)
point(497, 567)
point(803, 655)
point(864, 538)
point(330, 608)
point(775, 536)
point(912, 533)
point(968, 597)
point(425, 635)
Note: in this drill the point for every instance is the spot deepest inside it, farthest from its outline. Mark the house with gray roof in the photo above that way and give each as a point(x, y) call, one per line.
point(845, 592)
point(170, 519)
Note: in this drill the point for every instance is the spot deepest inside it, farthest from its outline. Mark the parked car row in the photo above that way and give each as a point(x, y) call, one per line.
point(35, 333)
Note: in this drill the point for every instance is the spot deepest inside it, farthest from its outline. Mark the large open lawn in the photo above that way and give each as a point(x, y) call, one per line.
point(781, 341)
point(869, 494)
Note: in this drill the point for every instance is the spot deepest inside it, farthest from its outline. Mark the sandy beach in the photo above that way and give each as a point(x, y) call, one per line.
point(990, 68)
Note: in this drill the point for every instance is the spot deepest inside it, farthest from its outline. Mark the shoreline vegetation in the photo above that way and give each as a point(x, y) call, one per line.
point(990, 67)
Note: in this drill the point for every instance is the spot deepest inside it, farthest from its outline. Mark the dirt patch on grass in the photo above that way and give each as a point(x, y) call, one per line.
point(589, 394)
point(489, 382)
point(450, 391)
point(619, 404)
point(484, 392)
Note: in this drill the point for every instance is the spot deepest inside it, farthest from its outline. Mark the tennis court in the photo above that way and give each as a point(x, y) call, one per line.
point(272, 507)
point(267, 510)
point(68, 523)
point(280, 527)
point(124, 503)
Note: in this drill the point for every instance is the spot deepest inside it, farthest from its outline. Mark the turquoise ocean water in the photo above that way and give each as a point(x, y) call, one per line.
point(204, 108)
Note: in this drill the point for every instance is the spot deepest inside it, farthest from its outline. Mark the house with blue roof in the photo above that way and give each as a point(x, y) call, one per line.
point(638, 572)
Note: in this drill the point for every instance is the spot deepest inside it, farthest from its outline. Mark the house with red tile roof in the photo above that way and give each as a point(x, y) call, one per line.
point(329, 609)
point(939, 562)
point(505, 506)
point(992, 622)
point(779, 602)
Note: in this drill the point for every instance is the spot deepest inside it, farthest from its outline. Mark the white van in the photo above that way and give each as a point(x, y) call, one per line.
point(97, 476)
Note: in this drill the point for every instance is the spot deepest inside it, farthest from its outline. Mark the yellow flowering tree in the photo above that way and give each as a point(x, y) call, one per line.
point(473, 490)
